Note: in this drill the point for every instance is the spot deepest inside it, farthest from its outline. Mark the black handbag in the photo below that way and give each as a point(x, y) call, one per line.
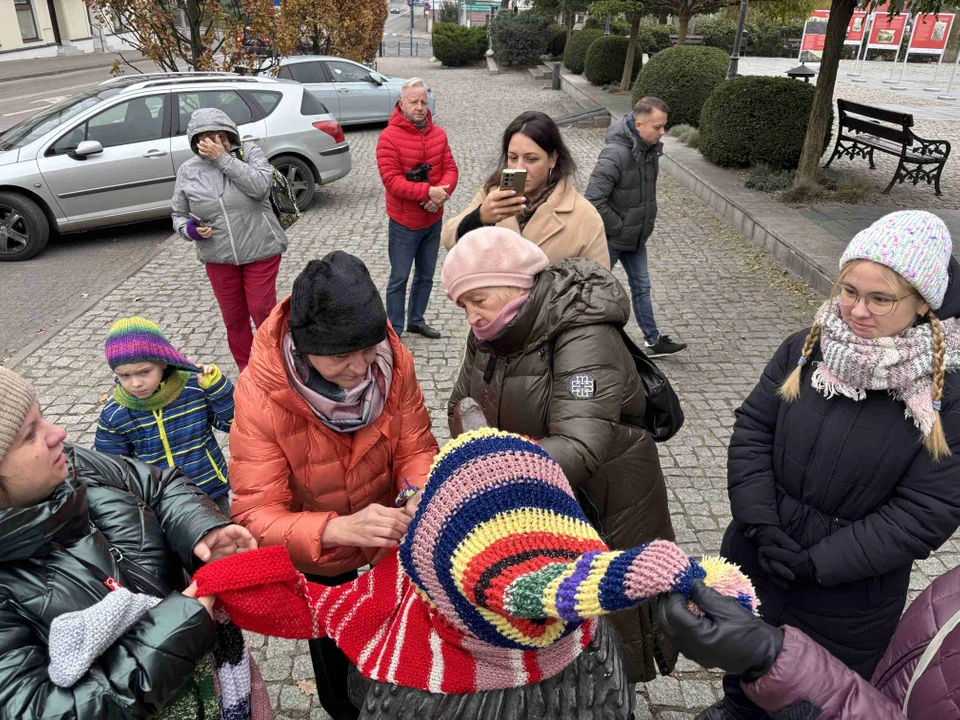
point(663, 416)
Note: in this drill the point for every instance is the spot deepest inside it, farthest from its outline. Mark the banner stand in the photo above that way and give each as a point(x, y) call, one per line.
point(936, 72)
point(858, 71)
point(906, 55)
point(866, 49)
point(953, 76)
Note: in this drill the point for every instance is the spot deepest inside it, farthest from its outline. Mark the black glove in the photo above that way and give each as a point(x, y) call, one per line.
point(729, 637)
point(786, 564)
point(770, 535)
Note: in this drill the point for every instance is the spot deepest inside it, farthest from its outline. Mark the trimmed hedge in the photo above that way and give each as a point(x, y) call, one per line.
point(654, 38)
point(683, 77)
point(618, 26)
point(755, 120)
point(575, 54)
point(449, 12)
point(606, 57)
point(455, 45)
point(556, 40)
point(518, 40)
point(718, 33)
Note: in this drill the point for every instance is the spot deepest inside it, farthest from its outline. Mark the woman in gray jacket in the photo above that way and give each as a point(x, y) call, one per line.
point(222, 202)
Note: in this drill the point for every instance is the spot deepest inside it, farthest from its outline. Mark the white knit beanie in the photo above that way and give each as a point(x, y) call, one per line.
point(913, 243)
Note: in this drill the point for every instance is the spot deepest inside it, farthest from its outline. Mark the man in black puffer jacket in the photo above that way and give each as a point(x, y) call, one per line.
point(623, 188)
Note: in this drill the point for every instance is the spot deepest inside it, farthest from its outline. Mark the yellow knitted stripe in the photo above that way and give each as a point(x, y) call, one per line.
point(553, 629)
point(550, 591)
point(588, 593)
point(465, 438)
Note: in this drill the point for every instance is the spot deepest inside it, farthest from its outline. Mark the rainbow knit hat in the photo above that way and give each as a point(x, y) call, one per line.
point(498, 582)
point(136, 340)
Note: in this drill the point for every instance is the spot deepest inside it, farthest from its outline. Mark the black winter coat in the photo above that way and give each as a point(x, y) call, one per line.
point(852, 483)
point(623, 186)
point(154, 517)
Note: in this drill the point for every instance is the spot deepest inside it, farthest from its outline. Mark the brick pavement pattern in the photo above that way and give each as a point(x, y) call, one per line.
point(710, 287)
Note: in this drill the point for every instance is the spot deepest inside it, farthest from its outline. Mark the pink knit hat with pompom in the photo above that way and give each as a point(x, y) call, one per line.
point(491, 257)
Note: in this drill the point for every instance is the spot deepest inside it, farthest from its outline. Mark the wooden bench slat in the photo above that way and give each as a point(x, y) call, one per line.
point(871, 128)
point(890, 116)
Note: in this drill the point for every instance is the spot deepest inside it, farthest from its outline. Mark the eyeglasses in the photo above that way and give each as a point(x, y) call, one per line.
point(877, 303)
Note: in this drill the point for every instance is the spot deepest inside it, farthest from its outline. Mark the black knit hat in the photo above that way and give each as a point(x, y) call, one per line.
point(335, 307)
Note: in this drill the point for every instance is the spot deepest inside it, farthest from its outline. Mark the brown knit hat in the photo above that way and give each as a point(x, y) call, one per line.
point(16, 399)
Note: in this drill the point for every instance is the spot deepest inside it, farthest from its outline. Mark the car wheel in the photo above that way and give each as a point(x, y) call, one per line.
point(24, 230)
point(300, 177)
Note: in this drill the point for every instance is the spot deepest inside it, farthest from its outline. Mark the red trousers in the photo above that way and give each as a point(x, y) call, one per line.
point(244, 292)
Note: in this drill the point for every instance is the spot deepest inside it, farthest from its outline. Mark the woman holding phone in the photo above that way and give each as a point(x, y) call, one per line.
point(222, 202)
point(538, 201)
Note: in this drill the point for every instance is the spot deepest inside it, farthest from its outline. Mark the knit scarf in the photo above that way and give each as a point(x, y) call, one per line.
point(902, 365)
point(339, 409)
point(168, 391)
point(525, 215)
point(506, 315)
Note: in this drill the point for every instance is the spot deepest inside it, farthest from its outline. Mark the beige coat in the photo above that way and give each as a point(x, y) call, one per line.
point(565, 226)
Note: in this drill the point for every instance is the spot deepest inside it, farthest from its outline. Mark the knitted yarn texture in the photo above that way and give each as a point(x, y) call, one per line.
point(496, 584)
point(136, 340)
point(18, 398)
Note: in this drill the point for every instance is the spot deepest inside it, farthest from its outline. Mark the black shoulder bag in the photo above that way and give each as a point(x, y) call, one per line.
point(663, 416)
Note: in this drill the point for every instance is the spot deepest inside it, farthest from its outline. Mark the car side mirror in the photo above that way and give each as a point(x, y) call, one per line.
point(374, 79)
point(87, 147)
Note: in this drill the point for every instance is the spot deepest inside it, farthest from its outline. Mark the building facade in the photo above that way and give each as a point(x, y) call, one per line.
point(45, 28)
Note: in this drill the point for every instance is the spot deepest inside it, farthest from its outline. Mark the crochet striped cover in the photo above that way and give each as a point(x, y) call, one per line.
point(136, 340)
point(497, 583)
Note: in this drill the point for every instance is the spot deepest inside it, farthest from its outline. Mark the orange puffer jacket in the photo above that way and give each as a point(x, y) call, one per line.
point(291, 473)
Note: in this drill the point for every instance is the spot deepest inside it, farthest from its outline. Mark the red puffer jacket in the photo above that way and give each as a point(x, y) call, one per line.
point(402, 147)
point(806, 673)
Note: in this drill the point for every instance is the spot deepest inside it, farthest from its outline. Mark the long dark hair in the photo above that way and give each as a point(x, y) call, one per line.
point(544, 132)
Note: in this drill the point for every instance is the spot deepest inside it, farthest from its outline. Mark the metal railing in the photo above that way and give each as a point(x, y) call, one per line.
point(402, 48)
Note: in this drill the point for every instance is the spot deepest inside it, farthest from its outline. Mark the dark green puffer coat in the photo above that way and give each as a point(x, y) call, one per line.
point(561, 374)
point(152, 516)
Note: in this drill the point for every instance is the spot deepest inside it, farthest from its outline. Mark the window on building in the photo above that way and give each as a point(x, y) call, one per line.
point(27, 19)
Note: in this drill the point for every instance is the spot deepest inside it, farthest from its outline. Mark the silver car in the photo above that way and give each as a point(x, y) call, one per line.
point(110, 156)
point(353, 93)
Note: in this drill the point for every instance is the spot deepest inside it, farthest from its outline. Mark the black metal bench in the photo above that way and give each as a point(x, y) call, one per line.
point(865, 129)
point(691, 40)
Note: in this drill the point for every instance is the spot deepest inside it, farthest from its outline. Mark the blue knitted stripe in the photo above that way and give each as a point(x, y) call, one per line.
point(683, 582)
point(567, 592)
point(612, 590)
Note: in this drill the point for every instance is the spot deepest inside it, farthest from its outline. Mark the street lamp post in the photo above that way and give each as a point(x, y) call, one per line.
point(606, 29)
point(735, 56)
point(411, 27)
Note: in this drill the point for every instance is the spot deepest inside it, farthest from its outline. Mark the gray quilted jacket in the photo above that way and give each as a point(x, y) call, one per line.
point(230, 195)
point(623, 186)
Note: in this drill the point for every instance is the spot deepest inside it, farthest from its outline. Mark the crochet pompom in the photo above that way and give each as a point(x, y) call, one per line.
point(727, 579)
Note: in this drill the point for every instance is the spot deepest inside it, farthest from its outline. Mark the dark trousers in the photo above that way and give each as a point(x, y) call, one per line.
point(330, 665)
point(638, 278)
point(411, 249)
point(244, 293)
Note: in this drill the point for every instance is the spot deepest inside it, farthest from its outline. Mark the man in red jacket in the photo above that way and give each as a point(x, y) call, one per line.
point(419, 173)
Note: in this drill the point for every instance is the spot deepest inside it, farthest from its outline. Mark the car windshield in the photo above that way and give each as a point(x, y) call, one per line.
point(52, 117)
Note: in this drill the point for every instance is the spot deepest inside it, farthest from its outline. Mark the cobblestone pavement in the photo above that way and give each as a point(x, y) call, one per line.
point(711, 289)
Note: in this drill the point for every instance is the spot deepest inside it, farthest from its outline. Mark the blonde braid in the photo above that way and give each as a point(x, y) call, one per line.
point(790, 388)
point(936, 441)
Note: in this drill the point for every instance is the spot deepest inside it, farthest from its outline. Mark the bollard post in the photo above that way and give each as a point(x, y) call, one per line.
point(555, 78)
point(381, 48)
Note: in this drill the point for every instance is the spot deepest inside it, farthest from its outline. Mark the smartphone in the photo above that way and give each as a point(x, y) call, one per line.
point(197, 220)
point(513, 180)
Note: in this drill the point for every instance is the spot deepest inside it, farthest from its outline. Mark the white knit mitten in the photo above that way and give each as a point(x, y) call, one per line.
point(78, 638)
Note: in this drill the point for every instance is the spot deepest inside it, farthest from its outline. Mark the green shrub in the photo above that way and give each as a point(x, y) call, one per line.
point(654, 38)
point(575, 54)
point(455, 45)
point(768, 39)
point(449, 12)
point(755, 120)
point(518, 40)
point(556, 40)
point(620, 27)
point(679, 131)
point(765, 179)
point(683, 77)
point(606, 57)
point(717, 33)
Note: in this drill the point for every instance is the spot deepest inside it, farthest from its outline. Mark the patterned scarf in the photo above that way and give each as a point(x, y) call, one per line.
point(524, 216)
point(168, 391)
point(901, 365)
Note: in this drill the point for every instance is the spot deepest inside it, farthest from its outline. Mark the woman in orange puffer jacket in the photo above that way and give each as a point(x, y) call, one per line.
point(329, 427)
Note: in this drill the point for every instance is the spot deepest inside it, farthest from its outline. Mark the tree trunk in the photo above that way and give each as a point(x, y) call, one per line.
point(840, 13)
point(196, 39)
point(683, 21)
point(568, 17)
point(631, 54)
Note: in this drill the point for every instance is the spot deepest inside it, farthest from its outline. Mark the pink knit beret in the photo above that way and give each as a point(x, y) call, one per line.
point(491, 257)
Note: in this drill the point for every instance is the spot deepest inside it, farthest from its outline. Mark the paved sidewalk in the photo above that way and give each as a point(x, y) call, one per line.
point(61, 64)
point(711, 289)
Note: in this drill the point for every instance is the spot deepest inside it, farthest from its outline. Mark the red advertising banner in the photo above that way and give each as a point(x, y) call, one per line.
point(814, 34)
point(856, 28)
point(930, 34)
point(887, 32)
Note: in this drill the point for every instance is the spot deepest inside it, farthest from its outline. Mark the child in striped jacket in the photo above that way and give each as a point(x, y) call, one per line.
point(164, 407)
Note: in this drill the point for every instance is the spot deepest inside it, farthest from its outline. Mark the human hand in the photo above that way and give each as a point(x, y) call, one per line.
point(431, 206)
point(499, 205)
point(204, 231)
point(771, 535)
point(728, 636)
point(210, 149)
point(410, 508)
point(208, 601)
point(374, 526)
point(224, 542)
point(438, 194)
point(786, 565)
point(206, 369)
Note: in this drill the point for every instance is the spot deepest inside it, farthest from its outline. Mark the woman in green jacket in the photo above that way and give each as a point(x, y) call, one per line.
point(546, 358)
point(74, 524)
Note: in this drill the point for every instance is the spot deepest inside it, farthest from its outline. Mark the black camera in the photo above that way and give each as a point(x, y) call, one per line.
point(419, 173)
